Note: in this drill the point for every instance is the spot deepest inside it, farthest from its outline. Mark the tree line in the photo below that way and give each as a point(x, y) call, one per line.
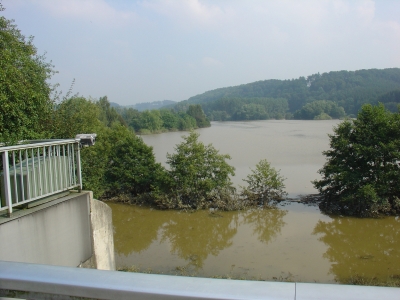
point(347, 91)
point(162, 120)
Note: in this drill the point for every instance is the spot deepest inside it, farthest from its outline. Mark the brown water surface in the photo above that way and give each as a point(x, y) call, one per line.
point(295, 242)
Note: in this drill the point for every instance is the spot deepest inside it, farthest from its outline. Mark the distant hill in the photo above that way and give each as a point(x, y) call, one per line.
point(152, 105)
point(146, 105)
point(113, 104)
point(346, 89)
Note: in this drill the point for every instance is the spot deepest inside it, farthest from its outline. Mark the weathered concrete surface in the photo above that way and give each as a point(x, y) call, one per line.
point(54, 233)
point(102, 235)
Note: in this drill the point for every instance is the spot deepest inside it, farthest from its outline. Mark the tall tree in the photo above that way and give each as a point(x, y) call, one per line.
point(197, 113)
point(25, 104)
point(362, 172)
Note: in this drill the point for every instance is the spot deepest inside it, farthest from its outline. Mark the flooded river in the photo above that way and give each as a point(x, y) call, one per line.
point(294, 242)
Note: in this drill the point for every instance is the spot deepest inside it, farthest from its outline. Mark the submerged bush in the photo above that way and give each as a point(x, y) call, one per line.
point(199, 178)
point(265, 185)
point(362, 172)
point(198, 172)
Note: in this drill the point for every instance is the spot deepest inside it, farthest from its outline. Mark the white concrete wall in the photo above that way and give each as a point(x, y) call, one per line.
point(102, 234)
point(54, 233)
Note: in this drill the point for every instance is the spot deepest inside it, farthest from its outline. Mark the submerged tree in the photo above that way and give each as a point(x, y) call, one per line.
point(362, 173)
point(265, 185)
point(198, 172)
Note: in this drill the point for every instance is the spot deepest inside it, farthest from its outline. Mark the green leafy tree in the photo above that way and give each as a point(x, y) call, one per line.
point(186, 122)
point(132, 168)
point(79, 115)
point(197, 113)
point(170, 119)
point(25, 104)
point(108, 114)
point(198, 172)
point(75, 115)
point(362, 173)
point(265, 185)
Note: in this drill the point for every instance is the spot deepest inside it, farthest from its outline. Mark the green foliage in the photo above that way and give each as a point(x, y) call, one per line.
point(391, 100)
point(25, 104)
point(237, 109)
point(197, 113)
point(265, 185)
point(323, 116)
point(108, 114)
point(119, 163)
point(361, 174)
point(74, 116)
point(131, 168)
point(155, 121)
point(198, 173)
point(320, 110)
point(170, 120)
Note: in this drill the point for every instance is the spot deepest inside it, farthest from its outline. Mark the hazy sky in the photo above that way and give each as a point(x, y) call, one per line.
point(143, 51)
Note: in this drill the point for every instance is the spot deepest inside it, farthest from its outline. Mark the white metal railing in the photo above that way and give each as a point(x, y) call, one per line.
point(37, 170)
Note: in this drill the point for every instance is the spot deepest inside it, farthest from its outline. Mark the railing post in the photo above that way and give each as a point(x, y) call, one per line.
point(78, 167)
point(7, 184)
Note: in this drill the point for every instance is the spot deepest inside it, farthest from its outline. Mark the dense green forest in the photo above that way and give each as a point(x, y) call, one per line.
point(342, 92)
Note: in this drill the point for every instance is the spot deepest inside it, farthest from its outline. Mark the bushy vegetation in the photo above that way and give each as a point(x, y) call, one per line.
point(362, 171)
point(199, 178)
point(320, 110)
point(265, 185)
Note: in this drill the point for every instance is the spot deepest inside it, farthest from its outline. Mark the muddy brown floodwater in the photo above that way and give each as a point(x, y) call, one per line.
point(294, 242)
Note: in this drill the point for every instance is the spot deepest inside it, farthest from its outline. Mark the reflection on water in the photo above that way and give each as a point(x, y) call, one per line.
point(195, 236)
point(295, 242)
point(266, 224)
point(362, 247)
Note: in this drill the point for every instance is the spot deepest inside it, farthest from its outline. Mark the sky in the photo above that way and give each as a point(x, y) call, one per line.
point(135, 51)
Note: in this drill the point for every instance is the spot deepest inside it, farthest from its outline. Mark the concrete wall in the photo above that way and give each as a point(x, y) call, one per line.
point(53, 233)
point(102, 235)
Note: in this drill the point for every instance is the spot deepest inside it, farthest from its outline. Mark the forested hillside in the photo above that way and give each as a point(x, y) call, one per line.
point(346, 90)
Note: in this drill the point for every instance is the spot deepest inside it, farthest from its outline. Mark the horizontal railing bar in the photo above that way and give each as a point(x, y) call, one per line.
point(40, 144)
point(3, 207)
point(97, 284)
point(90, 283)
